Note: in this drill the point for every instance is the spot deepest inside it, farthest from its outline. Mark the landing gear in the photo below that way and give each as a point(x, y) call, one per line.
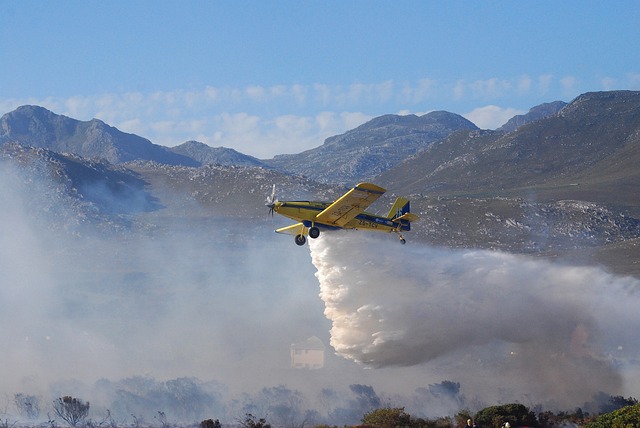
point(314, 232)
point(402, 240)
point(300, 239)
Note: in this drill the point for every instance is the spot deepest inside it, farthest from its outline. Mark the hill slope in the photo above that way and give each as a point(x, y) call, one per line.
point(564, 186)
point(374, 147)
point(38, 127)
point(206, 155)
point(587, 151)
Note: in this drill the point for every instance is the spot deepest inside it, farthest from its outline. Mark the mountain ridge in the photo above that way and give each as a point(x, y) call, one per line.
point(371, 148)
point(560, 186)
point(588, 137)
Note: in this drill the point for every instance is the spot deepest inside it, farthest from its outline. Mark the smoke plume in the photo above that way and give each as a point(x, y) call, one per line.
point(544, 329)
point(154, 311)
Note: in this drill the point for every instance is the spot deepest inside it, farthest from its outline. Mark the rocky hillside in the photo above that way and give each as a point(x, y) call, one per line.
point(374, 147)
point(587, 151)
point(38, 127)
point(563, 186)
point(207, 155)
point(536, 113)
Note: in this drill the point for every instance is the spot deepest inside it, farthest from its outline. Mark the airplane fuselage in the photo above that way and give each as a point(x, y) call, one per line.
point(346, 212)
point(307, 211)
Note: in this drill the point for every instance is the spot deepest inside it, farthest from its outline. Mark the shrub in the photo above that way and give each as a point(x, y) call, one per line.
point(71, 410)
point(515, 414)
point(387, 418)
point(622, 418)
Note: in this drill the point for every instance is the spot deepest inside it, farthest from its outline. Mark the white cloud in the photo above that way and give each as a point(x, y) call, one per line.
point(608, 83)
point(267, 120)
point(490, 88)
point(458, 90)
point(544, 83)
point(132, 126)
point(299, 93)
point(633, 80)
point(256, 93)
point(524, 85)
point(491, 116)
point(414, 94)
point(284, 134)
point(569, 84)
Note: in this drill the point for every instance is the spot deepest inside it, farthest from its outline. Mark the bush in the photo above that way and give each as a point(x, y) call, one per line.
point(210, 423)
point(515, 414)
point(71, 410)
point(387, 418)
point(622, 418)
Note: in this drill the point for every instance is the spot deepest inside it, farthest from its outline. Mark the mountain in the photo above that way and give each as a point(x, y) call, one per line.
point(71, 192)
point(566, 185)
point(366, 151)
point(205, 155)
point(535, 113)
point(590, 149)
point(39, 127)
point(561, 186)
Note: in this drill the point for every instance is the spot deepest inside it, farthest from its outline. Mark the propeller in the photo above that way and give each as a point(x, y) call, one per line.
point(272, 200)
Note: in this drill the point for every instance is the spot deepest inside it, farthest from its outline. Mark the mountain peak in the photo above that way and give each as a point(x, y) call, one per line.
point(373, 147)
point(538, 112)
point(205, 155)
point(38, 127)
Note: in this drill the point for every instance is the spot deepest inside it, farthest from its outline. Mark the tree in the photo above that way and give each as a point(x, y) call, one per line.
point(251, 422)
point(210, 423)
point(626, 417)
point(515, 414)
point(27, 405)
point(71, 410)
point(387, 418)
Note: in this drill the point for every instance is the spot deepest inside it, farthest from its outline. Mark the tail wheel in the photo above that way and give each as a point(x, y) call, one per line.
point(314, 232)
point(300, 239)
point(403, 241)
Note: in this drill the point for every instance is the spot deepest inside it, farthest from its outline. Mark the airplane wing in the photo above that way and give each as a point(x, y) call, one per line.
point(349, 205)
point(294, 229)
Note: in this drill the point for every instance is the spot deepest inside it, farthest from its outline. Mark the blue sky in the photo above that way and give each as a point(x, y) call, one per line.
point(272, 77)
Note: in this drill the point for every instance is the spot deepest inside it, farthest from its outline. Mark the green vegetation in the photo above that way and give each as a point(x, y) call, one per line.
point(397, 417)
point(515, 414)
point(607, 412)
point(387, 418)
point(627, 417)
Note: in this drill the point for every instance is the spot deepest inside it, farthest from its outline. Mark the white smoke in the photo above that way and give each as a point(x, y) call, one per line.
point(115, 314)
point(546, 330)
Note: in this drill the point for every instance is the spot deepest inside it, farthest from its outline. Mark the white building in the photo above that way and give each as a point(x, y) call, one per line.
point(308, 354)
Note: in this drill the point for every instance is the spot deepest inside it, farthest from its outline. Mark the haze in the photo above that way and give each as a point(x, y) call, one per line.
point(126, 316)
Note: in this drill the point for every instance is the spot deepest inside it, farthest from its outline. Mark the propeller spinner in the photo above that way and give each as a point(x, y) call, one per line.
point(272, 200)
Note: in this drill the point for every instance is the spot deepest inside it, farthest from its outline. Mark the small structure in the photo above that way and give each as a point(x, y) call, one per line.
point(308, 354)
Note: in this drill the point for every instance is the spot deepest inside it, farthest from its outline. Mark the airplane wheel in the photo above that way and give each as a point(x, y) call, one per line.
point(314, 232)
point(403, 241)
point(300, 239)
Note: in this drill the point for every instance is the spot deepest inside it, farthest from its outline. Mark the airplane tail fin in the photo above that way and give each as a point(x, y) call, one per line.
point(401, 206)
point(401, 212)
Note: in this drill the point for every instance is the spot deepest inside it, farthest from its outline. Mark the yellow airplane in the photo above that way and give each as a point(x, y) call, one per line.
point(346, 212)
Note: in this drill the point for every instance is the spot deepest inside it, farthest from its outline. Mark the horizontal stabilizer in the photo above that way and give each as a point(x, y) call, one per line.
point(294, 229)
point(408, 217)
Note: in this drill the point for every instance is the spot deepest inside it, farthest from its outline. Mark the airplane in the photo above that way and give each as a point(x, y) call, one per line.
point(346, 212)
